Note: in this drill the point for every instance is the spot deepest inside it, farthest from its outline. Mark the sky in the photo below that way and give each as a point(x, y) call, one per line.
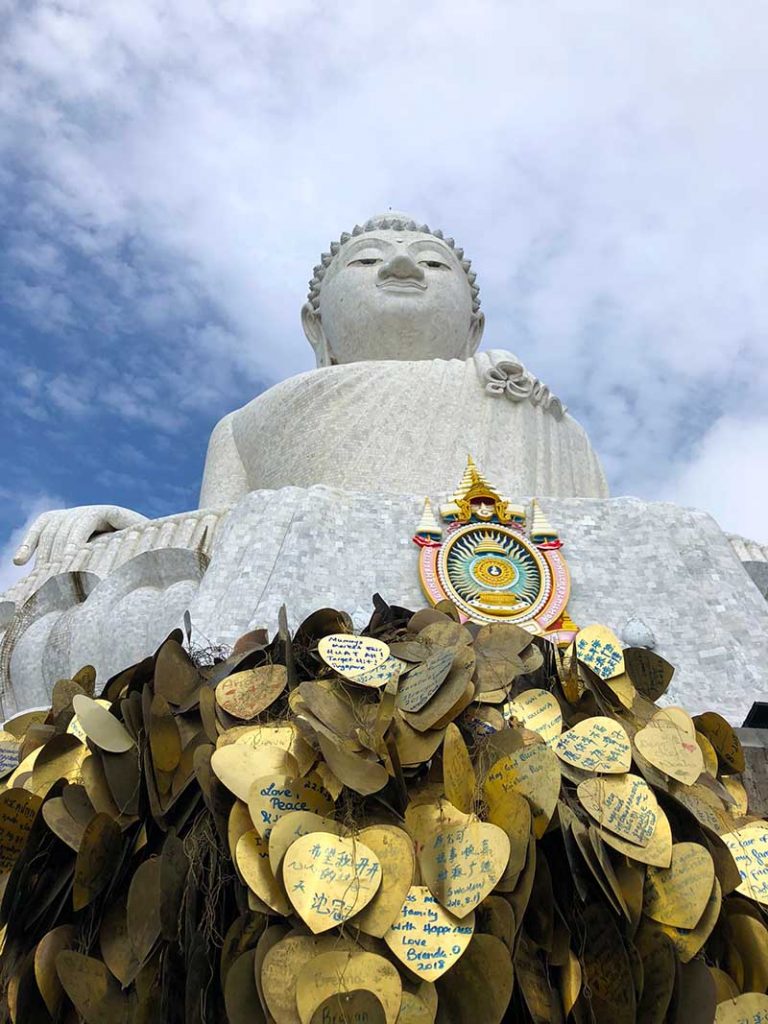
point(171, 170)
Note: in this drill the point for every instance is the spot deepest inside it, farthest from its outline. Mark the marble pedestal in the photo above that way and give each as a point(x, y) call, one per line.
point(672, 567)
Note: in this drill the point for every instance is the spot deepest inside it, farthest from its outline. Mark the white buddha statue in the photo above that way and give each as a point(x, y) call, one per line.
point(397, 403)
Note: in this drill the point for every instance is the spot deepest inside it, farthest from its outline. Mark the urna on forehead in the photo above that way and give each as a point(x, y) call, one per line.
point(394, 222)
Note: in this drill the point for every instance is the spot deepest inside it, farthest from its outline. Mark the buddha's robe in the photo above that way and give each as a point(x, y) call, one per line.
point(398, 427)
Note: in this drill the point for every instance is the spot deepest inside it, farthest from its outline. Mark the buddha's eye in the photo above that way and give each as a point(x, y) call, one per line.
point(366, 261)
point(434, 264)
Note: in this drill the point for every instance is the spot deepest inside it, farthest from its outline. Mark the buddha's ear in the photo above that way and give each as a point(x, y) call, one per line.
point(476, 326)
point(313, 328)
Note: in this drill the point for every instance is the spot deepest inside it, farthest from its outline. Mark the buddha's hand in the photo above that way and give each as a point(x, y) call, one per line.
point(58, 536)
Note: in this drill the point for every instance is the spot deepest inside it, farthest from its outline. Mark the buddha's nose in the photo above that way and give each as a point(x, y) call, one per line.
point(401, 266)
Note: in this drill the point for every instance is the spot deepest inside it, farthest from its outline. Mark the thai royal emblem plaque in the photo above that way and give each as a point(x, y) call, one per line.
point(496, 561)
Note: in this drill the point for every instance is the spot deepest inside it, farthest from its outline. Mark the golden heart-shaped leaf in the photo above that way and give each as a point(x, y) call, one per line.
point(9, 753)
point(48, 948)
point(738, 793)
point(688, 942)
point(293, 826)
point(357, 1005)
point(649, 672)
point(246, 694)
point(18, 810)
point(750, 938)
point(422, 820)
point(724, 739)
point(252, 856)
point(241, 1000)
point(668, 742)
point(95, 993)
point(596, 744)
point(426, 937)
point(462, 864)
point(538, 711)
point(599, 648)
point(352, 656)
point(458, 772)
point(394, 849)
point(749, 848)
point(623, 804)
point(512, 813)
point(61, 823)
point(749, 1008)
point(272, 796)
point(534, 772)
point(101, 726)
point(329, 879)
point(284, 735)
point(678, 895)
point(97, 859)
point(281, 963)
point(341, 971)
point(480, 985)
point(657, 852)
point(238, 765)
point(423, 681)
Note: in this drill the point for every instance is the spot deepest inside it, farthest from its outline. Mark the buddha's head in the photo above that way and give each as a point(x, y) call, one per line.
point(392, 289)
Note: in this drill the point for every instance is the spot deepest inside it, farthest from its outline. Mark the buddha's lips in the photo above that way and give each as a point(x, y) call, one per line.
point(402, 285)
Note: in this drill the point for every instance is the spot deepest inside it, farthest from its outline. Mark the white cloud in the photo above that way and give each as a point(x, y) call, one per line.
point(30, 508)
point(728, 476)
point(603, 164)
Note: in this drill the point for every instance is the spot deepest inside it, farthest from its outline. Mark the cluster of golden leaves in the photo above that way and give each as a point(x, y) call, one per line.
point(429, 823)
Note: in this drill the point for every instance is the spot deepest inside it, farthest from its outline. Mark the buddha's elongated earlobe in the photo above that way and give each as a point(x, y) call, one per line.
point(476, 326)
point(313, 329)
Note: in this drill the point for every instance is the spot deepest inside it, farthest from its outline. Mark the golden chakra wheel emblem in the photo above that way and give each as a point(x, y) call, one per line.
point(490, 565)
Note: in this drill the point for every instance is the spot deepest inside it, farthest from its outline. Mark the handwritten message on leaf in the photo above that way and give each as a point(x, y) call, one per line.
point(596, 744)
point(272, 796)
point(461, 865)
point(688, 941)
point(423, 681)
point(352, 656)
point(532, 771)
point(246, 694)
point(9, 753)
point(723, 738)
point(624, 805)
point(356, 1007)
point(678, 895)
point(599, 648)
point(649, 672)
point(292, 826)
point(749, 1008)
point(658, 851)
point(343, 972)
point(18, 810)
point(426, 937)
point(330, 879)
point(749, 847)
point(668, 742)
point(538, 711)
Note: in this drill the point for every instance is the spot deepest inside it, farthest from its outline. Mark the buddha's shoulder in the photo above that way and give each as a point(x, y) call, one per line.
point(392, 373)
point(497, 373)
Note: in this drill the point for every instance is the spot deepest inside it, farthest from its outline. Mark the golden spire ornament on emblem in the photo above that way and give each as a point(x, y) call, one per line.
point(495, 560)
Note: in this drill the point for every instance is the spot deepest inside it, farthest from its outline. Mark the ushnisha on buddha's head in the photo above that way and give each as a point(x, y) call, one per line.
point(392, 289)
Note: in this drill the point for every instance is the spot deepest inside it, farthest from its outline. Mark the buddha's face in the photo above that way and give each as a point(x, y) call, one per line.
point(393, 295)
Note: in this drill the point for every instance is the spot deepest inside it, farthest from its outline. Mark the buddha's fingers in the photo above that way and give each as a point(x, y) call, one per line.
point(82, 524)
point(123, 518)
point(29, 545)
